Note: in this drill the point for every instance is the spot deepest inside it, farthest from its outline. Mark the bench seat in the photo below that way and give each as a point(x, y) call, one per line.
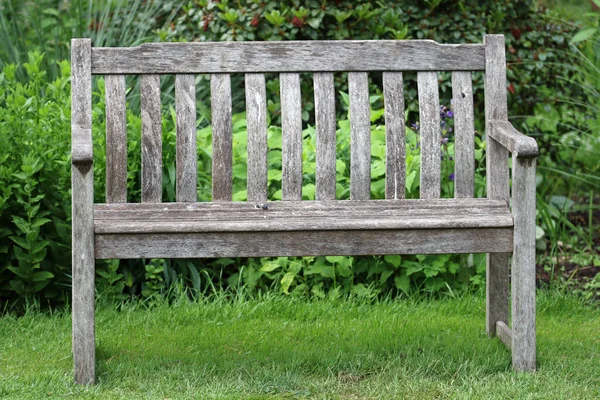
point(302, 228)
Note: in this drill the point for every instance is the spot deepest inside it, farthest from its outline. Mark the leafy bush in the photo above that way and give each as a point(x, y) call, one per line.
point(34, 180)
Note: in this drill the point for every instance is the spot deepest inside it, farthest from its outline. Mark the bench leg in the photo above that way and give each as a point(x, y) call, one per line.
point(523, 266)
point(84, 355)
point(497, 282)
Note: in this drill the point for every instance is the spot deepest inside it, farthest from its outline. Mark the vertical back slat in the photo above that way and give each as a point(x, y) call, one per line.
point(151, 139)
point(360, 136)
point(185, 105)
point(325, 124)
point(291, 124)
point(464, 134)
point(222, 178)
point(429, 121)
point(395, 135)
point(116, 140)
point(256, 114)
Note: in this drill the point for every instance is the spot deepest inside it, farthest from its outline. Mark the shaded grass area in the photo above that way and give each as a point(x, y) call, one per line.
point(276, 347)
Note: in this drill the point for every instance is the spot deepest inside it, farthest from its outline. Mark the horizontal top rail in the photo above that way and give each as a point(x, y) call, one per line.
point(288, 56)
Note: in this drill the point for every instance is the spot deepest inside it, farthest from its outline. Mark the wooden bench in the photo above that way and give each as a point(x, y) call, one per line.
point(259, 227)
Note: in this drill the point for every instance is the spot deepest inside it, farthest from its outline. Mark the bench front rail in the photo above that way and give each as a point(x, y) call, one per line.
point(500, 225)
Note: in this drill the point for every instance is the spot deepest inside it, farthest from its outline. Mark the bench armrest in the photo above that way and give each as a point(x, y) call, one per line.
point(81, 145)
point(518, 144)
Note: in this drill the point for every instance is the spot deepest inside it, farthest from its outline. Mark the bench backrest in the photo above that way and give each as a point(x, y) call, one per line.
point(254, 59)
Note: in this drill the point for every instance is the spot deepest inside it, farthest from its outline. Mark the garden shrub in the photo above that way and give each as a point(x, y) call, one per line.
point(35, 166)
point(35, 198)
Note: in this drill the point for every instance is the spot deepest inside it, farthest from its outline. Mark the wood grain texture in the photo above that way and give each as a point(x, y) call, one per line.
point(291, 125)
point(360, 136)
point(116, 140)
point(185, 106)
point(497, 177)
point(299, 218)
point(151, 139)
point(81, 104)
point(82, 181)
point(302, 243)
point(287, 206)
point(464, 134)
point(325, 125)
point(395, 135)
point(288, 56)
point(222, 136)
point(256, 114)
point(523, 265)
point(504, 333)
point(517, 143)
point(429, 122)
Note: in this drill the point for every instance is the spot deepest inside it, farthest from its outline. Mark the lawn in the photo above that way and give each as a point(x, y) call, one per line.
point(279, 347)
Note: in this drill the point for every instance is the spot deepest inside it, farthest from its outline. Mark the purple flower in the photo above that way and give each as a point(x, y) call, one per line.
point(445, 140)
point(450, 114)
point(451, 177)
point(451, 158)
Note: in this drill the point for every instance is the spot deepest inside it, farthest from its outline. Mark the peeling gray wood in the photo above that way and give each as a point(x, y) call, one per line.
point(185, 106)
point(325, 125)
point(360, 136)
point(497, 178)
point(395, 135)
point(291, 124)
point(523, 265)
point(151, 139)
point(517, 143)
point(84, 353)
point(256, 114)
point(302, 243)
point(464, 134)
point(288, 56)
point(429, 122)
point(504, 333)
point(222, 161)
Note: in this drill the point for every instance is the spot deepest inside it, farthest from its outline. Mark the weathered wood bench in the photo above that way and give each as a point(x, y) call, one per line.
point(359, 226)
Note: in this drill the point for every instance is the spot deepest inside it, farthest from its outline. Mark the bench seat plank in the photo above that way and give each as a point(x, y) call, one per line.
point(295, 216)
point(303, 243)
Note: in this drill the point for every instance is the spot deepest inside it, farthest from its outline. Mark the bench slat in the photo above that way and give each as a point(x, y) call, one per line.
point(256, 114)
point(360, 136)
point(151, 139)
point(290, 223)
point(429, 121)
point(116, 140)
point(288, 56)
point(303, 243)
point(185, 105)
point(222, 177)
point(325, 125)
point(296, 215)
point(401, 206)
point(464, 145)
point(291, 124)
point(395, 136)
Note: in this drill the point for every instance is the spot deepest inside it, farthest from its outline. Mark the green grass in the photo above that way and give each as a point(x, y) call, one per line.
point(276, 347)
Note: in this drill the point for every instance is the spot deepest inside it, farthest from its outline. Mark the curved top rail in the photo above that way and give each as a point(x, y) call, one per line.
point(288, 56)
